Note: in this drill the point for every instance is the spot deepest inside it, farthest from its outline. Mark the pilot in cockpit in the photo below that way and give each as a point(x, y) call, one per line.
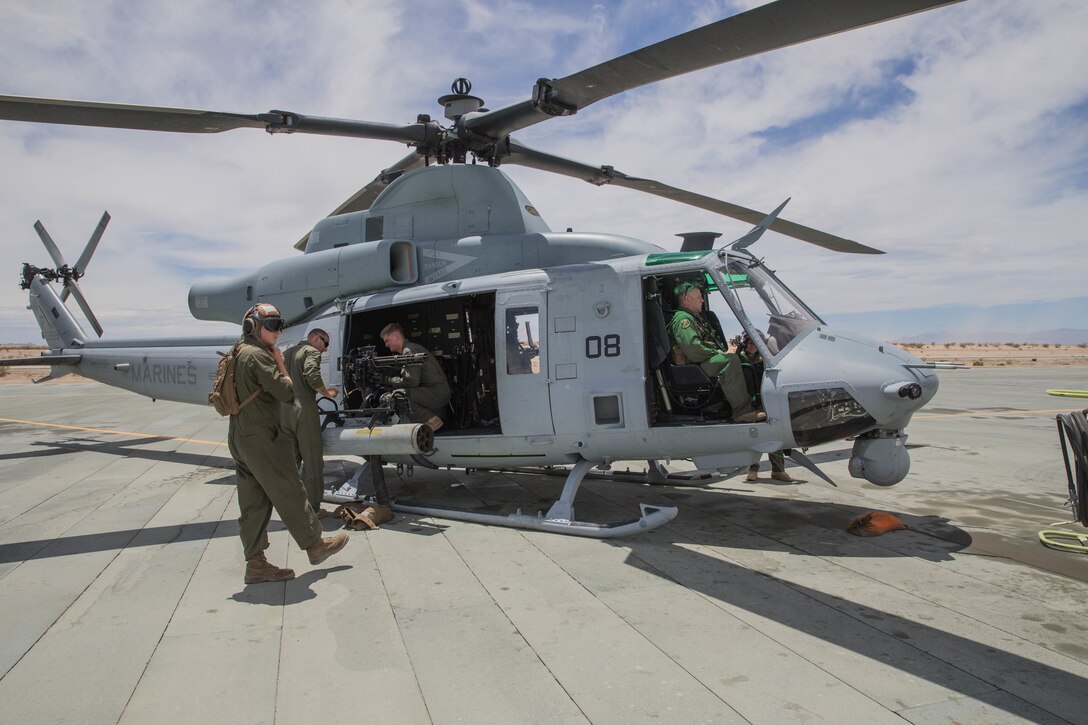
point(694, 341)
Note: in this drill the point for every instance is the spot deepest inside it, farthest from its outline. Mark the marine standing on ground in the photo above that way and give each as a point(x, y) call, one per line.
point(301, 419)
point(426, 384)
point(695, 338)
point(266, 475)
point(749, 355)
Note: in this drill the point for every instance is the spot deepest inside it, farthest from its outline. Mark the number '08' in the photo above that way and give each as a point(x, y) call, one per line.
point(609, 346)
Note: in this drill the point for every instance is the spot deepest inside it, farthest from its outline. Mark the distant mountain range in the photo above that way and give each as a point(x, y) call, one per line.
point(1056, 322)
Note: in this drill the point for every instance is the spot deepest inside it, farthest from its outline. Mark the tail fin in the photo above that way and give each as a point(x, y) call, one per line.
point(59, 327)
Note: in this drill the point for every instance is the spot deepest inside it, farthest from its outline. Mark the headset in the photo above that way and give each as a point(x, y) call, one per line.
point(262, 315)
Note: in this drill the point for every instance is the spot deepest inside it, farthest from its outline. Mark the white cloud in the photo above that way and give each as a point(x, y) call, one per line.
point(976, 187)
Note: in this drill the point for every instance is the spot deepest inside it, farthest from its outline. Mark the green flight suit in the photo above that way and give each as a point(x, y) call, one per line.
point(695, 338)
point(301, 419)
point(777, 458)
point(267, 476)
point(426, 385)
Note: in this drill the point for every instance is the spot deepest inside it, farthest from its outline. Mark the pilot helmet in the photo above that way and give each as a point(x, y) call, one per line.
point(262, 315)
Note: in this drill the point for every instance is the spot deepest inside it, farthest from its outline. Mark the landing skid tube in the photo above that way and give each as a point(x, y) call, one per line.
point(559, 519)
point(651, 518)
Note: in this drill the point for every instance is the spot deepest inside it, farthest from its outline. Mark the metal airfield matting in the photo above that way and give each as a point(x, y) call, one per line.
point(122, 599)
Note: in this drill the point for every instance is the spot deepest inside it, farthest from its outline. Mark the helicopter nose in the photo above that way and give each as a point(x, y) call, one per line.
point(915, 383)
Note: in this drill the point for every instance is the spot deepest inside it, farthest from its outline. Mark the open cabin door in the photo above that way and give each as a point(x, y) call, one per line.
point(521, 362)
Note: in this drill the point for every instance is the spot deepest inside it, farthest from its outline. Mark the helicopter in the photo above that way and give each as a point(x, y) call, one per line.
point(554, 343)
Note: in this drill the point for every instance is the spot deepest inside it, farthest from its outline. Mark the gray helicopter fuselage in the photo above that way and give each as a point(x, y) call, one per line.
point(592, 390)
point(593, 394)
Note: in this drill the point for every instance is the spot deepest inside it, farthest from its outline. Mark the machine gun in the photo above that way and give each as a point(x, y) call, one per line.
point(367, 372)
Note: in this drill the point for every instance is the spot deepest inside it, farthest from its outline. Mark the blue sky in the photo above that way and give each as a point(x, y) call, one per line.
point(956, 140)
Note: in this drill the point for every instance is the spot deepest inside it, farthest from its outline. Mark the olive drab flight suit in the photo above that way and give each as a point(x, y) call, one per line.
point(695, 339)
point(266, 471)
point(301, 419)
point(426, 384)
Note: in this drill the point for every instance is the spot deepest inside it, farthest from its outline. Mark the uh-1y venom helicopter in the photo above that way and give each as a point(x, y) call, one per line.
point(554, 343)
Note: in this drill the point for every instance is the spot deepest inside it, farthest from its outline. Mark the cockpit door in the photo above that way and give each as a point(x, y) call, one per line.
point(521, 363)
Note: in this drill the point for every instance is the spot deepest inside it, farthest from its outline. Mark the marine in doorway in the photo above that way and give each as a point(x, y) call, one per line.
point(426, 385)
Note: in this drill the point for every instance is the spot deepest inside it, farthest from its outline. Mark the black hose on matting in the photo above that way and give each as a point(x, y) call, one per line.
point(1073, 435)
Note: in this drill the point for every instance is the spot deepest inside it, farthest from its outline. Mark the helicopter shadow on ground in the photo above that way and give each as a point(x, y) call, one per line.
point(745, 518)
point(716, 520)
point(745, 523)
point(129, 448)
point(863, 632)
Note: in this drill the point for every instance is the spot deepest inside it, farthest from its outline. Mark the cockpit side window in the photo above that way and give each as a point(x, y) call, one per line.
point(777, 315)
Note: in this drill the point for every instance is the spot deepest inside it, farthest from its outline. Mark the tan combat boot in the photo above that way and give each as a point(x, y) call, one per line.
point(326, 547)
point(753, 476)
point(258, 569)
point(782, 476)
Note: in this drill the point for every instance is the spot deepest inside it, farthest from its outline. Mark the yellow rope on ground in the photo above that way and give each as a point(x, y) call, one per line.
point(1046, 534)
point(1068, 393)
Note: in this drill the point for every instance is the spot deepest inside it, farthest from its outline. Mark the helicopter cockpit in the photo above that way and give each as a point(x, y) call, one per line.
point(742, 299)
point(752, 293)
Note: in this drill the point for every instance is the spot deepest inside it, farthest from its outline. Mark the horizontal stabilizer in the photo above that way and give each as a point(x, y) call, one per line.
point(41, 360)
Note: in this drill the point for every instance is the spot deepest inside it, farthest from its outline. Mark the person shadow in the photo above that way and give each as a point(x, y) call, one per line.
point(278, 594)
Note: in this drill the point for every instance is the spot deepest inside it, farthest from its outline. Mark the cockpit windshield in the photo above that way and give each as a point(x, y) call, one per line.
point(775, 312)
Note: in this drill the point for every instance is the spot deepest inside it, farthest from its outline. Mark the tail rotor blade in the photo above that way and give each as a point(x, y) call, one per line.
point(50, 245)
point(78, 294)
point(92, 243)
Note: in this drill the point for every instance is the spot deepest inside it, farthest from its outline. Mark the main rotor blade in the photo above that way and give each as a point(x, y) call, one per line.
point(184, 120)
point(769, 27)
point(600, 175)
point(363, 198)
point(118, 115)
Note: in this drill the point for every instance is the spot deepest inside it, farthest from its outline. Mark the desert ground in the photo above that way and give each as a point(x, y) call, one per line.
point(965, 353)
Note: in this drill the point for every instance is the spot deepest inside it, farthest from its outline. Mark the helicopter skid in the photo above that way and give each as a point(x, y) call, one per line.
point(559, 519)
point(651, 518)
